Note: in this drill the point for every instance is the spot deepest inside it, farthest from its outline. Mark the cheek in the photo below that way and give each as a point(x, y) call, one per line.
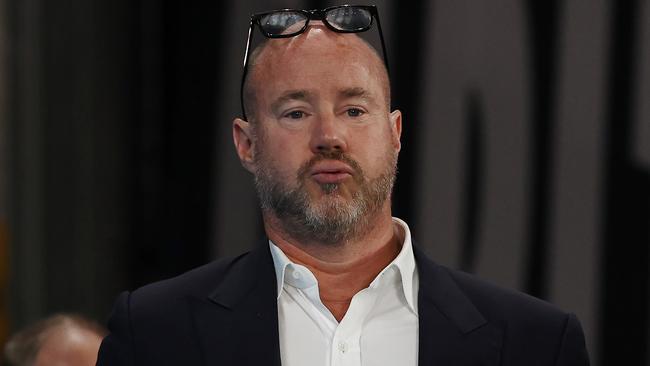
point(281, 153)
point(375, 153)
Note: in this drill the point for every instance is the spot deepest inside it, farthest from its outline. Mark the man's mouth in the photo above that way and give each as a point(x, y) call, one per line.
point(330, 171)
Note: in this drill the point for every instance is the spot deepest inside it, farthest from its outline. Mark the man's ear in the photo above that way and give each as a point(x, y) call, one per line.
point(242, 136)
point(396, 128)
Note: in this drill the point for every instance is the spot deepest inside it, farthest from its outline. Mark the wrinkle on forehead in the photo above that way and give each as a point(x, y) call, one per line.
point(317, 40)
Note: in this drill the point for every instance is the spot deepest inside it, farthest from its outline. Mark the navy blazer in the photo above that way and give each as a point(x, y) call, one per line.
point(225, 313)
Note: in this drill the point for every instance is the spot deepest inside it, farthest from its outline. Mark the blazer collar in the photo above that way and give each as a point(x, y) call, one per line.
point(437, 288)
point(237, 323)
point(452, 331)
point(250, 271)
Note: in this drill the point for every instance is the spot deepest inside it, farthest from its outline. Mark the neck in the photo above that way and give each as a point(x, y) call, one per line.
point(342, 269)
point(380, 232)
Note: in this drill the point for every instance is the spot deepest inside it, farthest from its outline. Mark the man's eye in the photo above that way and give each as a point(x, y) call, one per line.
point(295, 115)
point(354, 112)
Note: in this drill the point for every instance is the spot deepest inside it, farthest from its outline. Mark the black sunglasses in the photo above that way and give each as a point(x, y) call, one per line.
point(286, 23)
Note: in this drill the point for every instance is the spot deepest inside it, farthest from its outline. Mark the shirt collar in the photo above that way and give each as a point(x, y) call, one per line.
point(404, 263)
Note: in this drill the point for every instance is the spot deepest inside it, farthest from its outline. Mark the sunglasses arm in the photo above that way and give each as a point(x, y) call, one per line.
point(245, 66)
point(383, 44)
point(248, 42)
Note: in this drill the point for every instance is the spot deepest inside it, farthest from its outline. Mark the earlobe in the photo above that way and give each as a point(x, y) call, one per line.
point(243, 139)
point(396, 128)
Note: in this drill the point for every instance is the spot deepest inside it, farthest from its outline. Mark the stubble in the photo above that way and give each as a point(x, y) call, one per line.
point(330, 218)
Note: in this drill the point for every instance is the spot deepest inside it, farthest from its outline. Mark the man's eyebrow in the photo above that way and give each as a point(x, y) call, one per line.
point(356, 92)
point(288, 96)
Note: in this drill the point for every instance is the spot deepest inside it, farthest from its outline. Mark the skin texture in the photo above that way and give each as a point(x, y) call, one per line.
point(69, 346)
point(318, 95)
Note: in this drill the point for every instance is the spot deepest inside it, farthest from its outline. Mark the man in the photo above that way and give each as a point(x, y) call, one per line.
point(337, 281)
point(60, 340)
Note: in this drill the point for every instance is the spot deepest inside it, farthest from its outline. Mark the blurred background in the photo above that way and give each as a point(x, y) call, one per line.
point(526, 149)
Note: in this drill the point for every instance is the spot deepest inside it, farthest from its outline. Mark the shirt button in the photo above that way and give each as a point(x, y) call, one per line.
point(343, 347)
point(295, 274)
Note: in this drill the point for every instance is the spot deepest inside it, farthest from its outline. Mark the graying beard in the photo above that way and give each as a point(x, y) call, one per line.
point(329, 188)
point(308, 223)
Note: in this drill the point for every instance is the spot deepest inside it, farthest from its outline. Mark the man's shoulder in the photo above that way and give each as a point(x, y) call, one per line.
point(509, 308)
point(531, 329)
point(197, 282)
point(164, 316)
point(493, 301)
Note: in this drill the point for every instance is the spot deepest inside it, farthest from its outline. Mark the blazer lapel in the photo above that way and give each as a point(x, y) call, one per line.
point(452, 331)
point(237, 323)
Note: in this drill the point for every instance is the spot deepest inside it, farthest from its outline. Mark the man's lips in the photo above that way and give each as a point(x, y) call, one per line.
point(325, 172)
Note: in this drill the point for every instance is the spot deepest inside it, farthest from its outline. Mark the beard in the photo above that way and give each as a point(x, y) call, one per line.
point(331, 218)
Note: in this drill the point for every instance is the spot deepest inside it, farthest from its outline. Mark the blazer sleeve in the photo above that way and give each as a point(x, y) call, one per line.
point(573, 351)
point(117, 348)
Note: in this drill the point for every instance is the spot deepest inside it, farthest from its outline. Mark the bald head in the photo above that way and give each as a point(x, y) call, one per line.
point(314, 49)
point(60, 340)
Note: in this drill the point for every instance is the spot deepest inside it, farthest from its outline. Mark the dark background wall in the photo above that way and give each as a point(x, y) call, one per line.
point(526, 149)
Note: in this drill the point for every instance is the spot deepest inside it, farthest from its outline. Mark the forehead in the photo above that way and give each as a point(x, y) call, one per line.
point(318, 54)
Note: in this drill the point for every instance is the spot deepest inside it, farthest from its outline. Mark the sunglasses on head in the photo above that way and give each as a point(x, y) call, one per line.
point(291, 22)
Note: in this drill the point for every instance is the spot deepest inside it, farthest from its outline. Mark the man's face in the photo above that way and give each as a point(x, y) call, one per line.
point(324, 144)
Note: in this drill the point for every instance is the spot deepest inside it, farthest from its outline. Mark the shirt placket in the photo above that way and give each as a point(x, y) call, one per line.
point(345, 346)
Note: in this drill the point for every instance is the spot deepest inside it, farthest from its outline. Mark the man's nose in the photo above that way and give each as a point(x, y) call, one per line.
point(328, 135)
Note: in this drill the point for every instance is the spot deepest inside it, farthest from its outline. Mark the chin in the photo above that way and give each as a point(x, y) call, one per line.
point(330, 188)
point(335, 189)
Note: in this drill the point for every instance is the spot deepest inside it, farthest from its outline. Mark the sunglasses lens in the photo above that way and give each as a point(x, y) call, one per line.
point(349, 19)
point(283, 23)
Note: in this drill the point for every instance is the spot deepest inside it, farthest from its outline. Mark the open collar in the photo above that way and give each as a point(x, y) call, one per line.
point(404, 262)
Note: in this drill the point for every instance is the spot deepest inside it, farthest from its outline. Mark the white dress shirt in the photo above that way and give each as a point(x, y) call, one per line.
point(379, 328)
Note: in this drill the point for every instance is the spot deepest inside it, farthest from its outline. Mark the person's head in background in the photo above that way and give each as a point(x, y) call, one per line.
point(60, 340)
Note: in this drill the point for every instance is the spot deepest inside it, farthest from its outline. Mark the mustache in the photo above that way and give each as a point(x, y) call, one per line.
point(331, 155)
